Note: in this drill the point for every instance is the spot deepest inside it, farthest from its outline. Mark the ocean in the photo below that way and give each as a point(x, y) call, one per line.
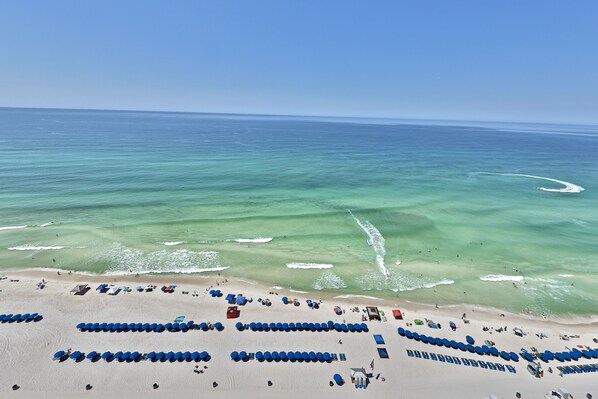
point(493, 214)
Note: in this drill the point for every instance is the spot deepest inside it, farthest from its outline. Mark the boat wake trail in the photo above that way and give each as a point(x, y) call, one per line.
point(569, 187)
point(377, 242)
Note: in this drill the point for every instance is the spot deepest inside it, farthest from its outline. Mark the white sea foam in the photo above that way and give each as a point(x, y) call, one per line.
point(258, 240)
point(398, 282)
point(299, 292)
point(377, 240)
point(329, 280)
point(309, 266)
point(12, 227)
point(569, 187)
point(276, 287)
point(398, 262)
point(46, 224)
point(171, 243)
point(125, 260)
point(500, 277)
point(566, 275)
point(357, 296)
point(35, 248)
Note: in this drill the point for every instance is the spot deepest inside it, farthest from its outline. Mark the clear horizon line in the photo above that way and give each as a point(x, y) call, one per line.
point(389, 118)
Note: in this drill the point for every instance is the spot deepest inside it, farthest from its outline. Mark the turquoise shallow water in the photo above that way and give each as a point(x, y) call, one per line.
point(308, 194)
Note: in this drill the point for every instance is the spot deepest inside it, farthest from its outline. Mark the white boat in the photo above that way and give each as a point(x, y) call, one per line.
point(370, 242)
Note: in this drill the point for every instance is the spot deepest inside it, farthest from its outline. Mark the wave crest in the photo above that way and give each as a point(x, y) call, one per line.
point(309, 266)
point(258, 240)
point(500, 277)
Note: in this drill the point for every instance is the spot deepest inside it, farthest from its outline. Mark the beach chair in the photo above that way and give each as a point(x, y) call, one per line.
point(441, 358)
point(425, 355)
point(474, 363)
point(483, 364)
point(511, 369)
point(409, 353)
point(417, 354)
point(334, 356)
point(465, 361)
point(500, 367)
point(456, 360)
point(449, 359)
point(342, 356)
point(491, 366)
point(433, 356)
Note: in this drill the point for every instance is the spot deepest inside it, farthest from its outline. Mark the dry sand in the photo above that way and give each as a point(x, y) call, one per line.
point(26, 349)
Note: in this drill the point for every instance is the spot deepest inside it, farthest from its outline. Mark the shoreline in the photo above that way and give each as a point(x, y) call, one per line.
point(26, 349)
point(355, 298)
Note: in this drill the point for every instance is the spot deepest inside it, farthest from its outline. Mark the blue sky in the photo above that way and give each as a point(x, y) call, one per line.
point(475, 60)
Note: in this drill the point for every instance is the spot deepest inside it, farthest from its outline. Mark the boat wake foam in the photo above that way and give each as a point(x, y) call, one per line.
point(377, 242)
point(309, 266)
point(569, 187)
point(329, 280)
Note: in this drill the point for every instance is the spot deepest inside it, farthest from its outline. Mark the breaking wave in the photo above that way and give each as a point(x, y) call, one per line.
point(569, 187)
point(258, 240)
point(377, 242)
point(12, 227)
point(501, 277)
point(566, 275)
point(46, 224)
point(35, 248)
point(171, 243)
point(125, 260)
point(398, 282)
point(348, 296)
point(309, 266)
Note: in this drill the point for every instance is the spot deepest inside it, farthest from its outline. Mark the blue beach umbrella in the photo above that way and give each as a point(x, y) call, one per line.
point(327, 357)
point(514, 357)
point(76, 355)
point(364, 327)
point(169, 355)
point(177, 355)
point(81, 326)
point(168, 326)
point(320, 356)
point(283, 356)
point(305, 356)
point(279, 326)
point(409, 334)
point(505, 355)
point(135, 355)
point(259, 356)
point(292, 327)
point(415, 336)
point(446, 342)
point(104, 327)
point(494, 351)
point(285, 326)
point(267, 356)
point(151, 355)
point(118, 355)
point(291, 356)
point(272, 326)
point(479, 350)
point(298, 356)
point(470, 348)
point(195, 356)
point(153, 326)
point(92, 354)
point(204, 326)
point(275, 356)
point(125, 356)
point(243, 355)
point(357, 327)
point(160, 355)
point(470, 340)
point(239, 326)
point(486, 349)
point(106, 355)
point(138, 327)
point(204, 355)
point(59, 354)
point(312, 356)
point(462, 346)
point(252, 326)
point(344, 327)
point(454, 344)
point(527, 356)
point(338, 379)
point(131, 327)
point(218, 326)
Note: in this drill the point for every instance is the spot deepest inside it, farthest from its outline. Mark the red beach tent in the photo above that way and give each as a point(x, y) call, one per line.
point(397, 314)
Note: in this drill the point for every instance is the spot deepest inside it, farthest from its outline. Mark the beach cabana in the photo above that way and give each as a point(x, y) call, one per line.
point(338, 379)
point(378, 338)
point(359, 377)
point(80, 289)
point(397, 314)
point(383, 353)
point(373, 313)
point(470, 340)
point(232, 312)
point(230, 298)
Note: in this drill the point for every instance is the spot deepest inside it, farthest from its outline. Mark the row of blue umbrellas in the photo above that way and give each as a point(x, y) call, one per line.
point(329, 326)
point(574, 354)
point(146, 327)
point(134, 356)
point(480, 350)
point(26, 317)
point(284, 356)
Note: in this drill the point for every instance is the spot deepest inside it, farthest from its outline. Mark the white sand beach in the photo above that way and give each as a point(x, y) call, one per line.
point(27, 348)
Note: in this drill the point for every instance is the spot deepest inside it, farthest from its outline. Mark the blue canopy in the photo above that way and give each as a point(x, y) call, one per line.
point(81, 325)
point(241, 300)
point(267, 355)
point(514, 357)
point(470, 348)
point(364, 327)
point(194, 355)
point(230, 298)
point(462, 346)
point(454, 344)
point(92, 354)
point(218, 326)
point(527, 356)
point(291, 356)
point(259, 356)
point(76, 355)
point(327, 357)
point(282, 355)
point(239, 326)
point(378, 338)
point(479, 350)
point(243, 355)
point(59, 354)
point(160, 355)
point(470, 340)
point(203, 355)
point(505, 355)
point(338, 379)
point(416, 336)
point(106, 355)
point(118, 355)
